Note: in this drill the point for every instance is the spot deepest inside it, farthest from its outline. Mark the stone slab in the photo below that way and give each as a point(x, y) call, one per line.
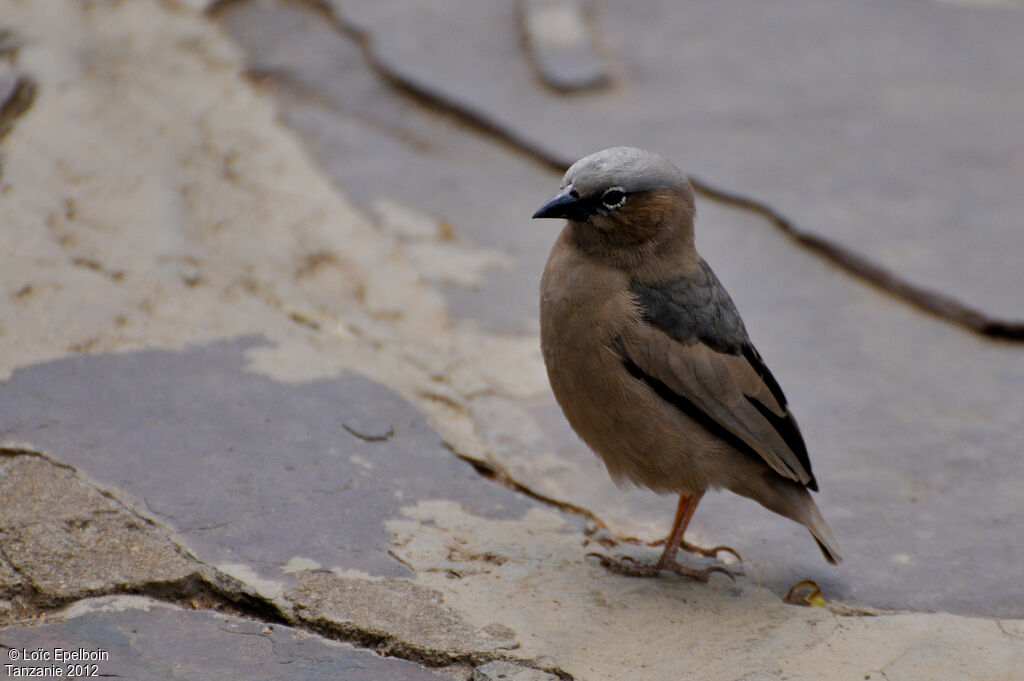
point(381, 145)
point(250, 471)
point(560, 43)
point(404, 618)
point(509, 671)
point(890, 126)
point(61, 539)
point(895, 406)
point(572, 617)
point(145, 640)
point(161, 78)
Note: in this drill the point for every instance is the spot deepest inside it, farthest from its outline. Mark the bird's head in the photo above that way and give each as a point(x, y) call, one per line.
point(622, 197)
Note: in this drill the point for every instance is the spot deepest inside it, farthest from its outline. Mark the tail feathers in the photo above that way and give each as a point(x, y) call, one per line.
point(828, 545)
point(792, 500)
point(810, 516)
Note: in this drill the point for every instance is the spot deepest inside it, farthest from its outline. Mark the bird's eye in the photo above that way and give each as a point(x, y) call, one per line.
point(613, 198)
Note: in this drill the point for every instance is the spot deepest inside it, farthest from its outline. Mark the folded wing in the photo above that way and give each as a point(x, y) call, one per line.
point(691, 348)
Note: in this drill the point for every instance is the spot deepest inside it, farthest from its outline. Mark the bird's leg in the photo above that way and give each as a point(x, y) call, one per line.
point(693, 548)
point(667, 562)
point(674, 541)
point(684, 513)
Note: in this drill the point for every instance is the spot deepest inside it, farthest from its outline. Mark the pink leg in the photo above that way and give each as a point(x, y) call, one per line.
point(675, 541)
point(684, 513)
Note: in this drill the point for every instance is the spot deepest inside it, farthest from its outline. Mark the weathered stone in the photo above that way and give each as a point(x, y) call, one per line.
point(251, 472)
point(12, 584)
point(891, 136)
point(383, 147)
point(395, 616)
point(573, 617)
point(559, 41)
point(855, 365)
point(145, 640)
point(500, 670)
point(177, 176)
point(67, 540)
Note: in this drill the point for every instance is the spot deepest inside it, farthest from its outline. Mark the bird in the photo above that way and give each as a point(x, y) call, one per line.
point(649, 360)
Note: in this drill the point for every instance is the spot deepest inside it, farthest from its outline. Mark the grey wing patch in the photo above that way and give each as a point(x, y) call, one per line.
point(693, 309)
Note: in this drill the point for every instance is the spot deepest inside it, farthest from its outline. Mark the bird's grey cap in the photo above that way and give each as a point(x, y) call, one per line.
point(632, 169)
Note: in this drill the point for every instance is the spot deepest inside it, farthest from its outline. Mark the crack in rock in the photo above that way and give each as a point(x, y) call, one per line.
point(16, 96)
point(17, 90)
point(394, 617)
point(509, 671)
point(941, 305)
point(65, 540)
point(370, 437)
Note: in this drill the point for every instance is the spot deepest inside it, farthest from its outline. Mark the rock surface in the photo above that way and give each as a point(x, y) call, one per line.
point(145, 640)
point(64, 540)
point(508, 671)
point(316, 436)
point(895, 406)
point(891, 126)
point(560, 42)
point(255, 475)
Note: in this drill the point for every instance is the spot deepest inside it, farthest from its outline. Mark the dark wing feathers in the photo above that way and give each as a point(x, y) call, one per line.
point(694, 309)
point(693, 351)
point(785, 424)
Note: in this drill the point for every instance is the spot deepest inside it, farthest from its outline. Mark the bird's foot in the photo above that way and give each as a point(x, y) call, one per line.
point(634, 568)
point(625, 565)
point(693, 573)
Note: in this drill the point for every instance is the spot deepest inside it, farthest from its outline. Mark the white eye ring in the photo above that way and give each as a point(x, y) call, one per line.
point(616, 201)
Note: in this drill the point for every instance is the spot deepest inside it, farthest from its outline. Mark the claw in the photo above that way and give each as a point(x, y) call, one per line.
point(627, 565)
point(702, 575)
point(693, 548)
point(709, 553)
point(699, 575)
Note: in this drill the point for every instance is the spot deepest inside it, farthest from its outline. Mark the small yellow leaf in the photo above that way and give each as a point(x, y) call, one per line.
point(806, 592)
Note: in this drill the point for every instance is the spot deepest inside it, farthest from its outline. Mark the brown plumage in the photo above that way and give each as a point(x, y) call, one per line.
point(649, 358)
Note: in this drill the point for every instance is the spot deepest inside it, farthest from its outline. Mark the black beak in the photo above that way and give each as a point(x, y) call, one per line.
point(563, 205)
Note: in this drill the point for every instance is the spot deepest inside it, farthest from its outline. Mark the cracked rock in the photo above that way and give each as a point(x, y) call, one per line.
point(250, 471)
point(171, 398)
point(854, 365)
point(868, 158)
point(145, 640)
point(17, 90)
point(394, 616)
point(500, 670)
point(63, 539)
